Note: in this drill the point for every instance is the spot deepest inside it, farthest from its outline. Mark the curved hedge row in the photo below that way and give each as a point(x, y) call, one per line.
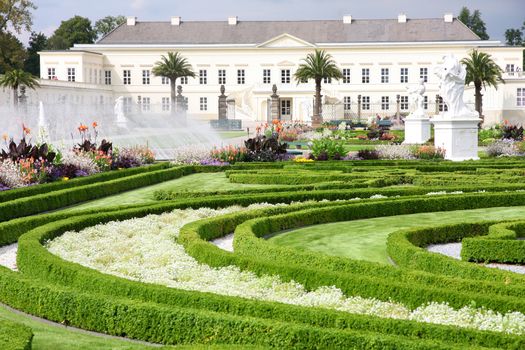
point(64, 197)
point(14, 336)
point(66, 292)
point(88, 280)
point(499, 245)
point(79, 181)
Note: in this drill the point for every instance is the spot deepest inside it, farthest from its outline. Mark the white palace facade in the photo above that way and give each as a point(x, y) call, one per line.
point(378, 58)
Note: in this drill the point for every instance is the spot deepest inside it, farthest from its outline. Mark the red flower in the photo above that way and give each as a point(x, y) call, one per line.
point(94, 125)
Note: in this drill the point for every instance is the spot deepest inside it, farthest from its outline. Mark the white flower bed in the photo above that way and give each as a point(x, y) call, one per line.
point(145, 249)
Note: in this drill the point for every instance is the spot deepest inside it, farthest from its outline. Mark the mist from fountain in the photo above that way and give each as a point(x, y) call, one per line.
point(160, 131)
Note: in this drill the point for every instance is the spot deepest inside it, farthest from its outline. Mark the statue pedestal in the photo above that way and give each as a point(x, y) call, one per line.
point(458, 136)
point(417, 130)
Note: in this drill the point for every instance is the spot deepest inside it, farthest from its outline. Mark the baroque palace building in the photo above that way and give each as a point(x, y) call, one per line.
point(378, 59)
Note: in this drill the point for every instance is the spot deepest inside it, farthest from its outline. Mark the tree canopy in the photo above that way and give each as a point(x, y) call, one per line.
point(12, 52)
point(37, 42)
point(76, 30)
point(16, 14)
point(105, 25)
point(474, 22)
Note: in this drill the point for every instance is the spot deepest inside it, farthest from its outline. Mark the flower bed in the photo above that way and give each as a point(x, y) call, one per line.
point(145, 250)
point(24, 164)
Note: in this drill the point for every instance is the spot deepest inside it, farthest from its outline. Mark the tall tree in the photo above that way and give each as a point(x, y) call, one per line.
point(317, 66)
point(105, 25)
point(482, 71)
point(16, 78)
point(474, 22)
point(37, 42)
point(516, 37)
point(76, 30)
point(16, 14)
point(173, 66)
point(12, 52)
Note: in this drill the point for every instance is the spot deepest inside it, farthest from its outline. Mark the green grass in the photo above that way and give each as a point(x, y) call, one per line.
point(366, 239)
point(195, 182)
point(232, 134)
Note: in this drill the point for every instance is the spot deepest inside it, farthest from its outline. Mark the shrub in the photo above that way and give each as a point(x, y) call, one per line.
point(265, 149)
point(502, 148)
point(394, 152)
point(368, 154)
point(511, 132)
point(429, 152)
point(327, 149)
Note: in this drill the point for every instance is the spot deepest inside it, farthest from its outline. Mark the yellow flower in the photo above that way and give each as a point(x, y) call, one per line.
point(65, 178)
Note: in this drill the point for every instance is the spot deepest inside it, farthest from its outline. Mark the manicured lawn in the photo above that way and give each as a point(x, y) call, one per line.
point(366, 239)
point(195, 182)
point(232, 134)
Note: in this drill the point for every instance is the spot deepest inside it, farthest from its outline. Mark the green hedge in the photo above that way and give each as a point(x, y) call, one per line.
point(406, 248)
point(79, 181)
point(179, 325)
point(35, 260)
point(62, 198)
point(499, 245)
point(14, 336)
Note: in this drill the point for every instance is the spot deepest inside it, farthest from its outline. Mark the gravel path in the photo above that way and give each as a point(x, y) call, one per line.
point(453, 250)
point(225, 243)
point(8, 256)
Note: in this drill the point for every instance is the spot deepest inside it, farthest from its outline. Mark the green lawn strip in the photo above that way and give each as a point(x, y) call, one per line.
point(190, 183)
point(49, 336)
point(232, 134)
point(366, 239)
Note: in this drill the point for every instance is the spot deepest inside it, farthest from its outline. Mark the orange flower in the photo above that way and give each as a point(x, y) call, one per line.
point(275, 121)
point(26, 130)
point(4, 136)
point(82, 128)
point(94, 125)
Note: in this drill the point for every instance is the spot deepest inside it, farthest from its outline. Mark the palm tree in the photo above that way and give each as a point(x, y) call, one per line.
point(317, 66)
point(16, 78)
point(172, 67)
point(483, 72)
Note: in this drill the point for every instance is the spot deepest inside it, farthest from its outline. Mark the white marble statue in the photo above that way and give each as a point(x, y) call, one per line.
point(417, 99)
point(452, 86)
point(118, 110)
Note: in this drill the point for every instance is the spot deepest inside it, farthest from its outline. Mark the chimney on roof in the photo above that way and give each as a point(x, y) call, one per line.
point(347, 19)
point(232, 21)
point(175, 21)
point(448, 17)
point(130, 21)
point(401, 18)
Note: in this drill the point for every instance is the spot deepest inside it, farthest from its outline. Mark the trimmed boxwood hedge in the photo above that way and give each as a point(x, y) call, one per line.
point(65, 292)
point(406, 248)
point(499, 245)
point(79, 181)
point(58, 199)
point(86, 279)
point(15, 336)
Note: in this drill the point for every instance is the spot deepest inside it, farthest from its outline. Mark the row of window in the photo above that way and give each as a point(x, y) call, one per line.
point(385, 103)
point(286, 76)
point(145, 103)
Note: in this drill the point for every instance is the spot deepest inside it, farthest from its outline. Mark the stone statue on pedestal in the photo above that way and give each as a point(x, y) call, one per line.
point(417, 99)
point(452, 76)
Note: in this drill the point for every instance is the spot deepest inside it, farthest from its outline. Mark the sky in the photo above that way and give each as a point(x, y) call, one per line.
point(498, 15)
